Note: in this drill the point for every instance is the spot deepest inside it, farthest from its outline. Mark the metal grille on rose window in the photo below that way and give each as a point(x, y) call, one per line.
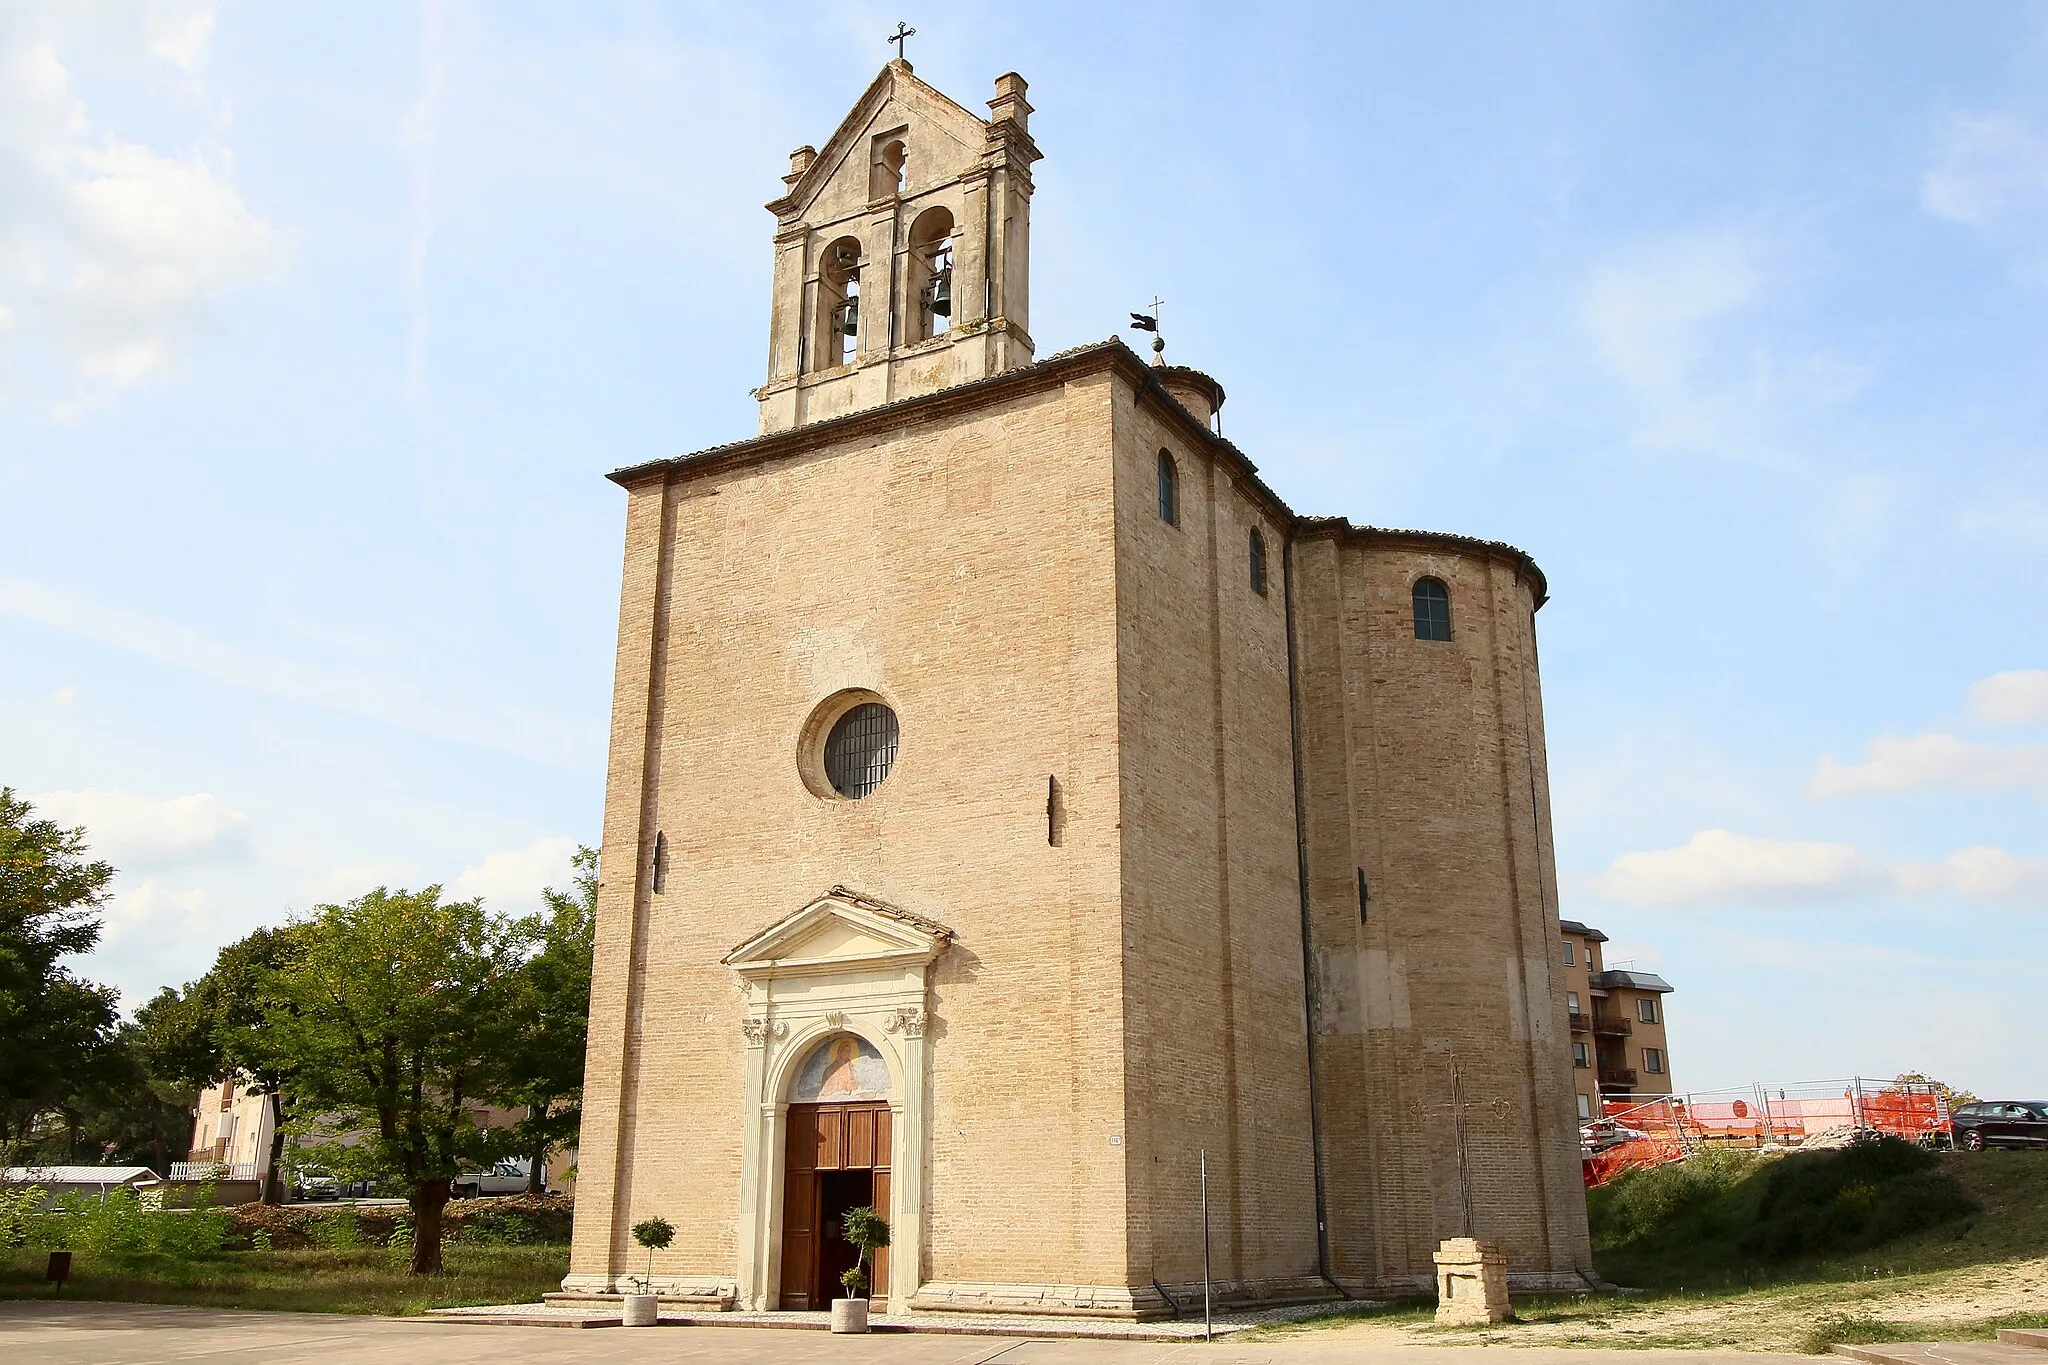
point(861, 749)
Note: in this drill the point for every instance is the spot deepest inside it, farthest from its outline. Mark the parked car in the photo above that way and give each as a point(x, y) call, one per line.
point(507, 1177)
point(309, 1187)
point(2001, 1123)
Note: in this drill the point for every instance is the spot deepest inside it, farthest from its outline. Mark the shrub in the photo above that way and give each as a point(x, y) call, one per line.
point(341, 1230)
point(20, 1210)
point(1692, 1199)
point(1874, 1189)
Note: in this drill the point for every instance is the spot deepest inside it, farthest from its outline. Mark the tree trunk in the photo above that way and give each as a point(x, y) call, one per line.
point(273, 1183)
point(428, 1198)
point(537, 1178)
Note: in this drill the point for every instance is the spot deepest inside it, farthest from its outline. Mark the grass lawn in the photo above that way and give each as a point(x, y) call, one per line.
point(1960, 1280)
point(363, 1280)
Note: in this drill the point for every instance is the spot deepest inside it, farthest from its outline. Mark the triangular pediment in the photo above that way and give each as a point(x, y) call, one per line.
point(841, 929)
point(895, 98)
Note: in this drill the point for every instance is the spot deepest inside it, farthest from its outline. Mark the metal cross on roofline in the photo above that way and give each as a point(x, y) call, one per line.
point(900, 37)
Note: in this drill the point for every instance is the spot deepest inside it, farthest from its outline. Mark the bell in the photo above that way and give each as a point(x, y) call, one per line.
point(939, 294)
point(849, 318)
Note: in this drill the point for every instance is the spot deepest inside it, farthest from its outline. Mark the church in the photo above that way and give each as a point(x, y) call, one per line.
point(1014, 807)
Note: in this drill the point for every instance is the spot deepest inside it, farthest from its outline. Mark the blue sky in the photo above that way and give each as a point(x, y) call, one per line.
point(318, 331)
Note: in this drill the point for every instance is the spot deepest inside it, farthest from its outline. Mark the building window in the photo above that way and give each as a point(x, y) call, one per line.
point(660, 877)
point(1258, 558)
point(1432, 610)
point(1653, 1060)
point(1169, 490)
point(1646, 1009)
point(1581, 1058)
point(1585, 1107)
point(861, 749)
point(1567, 952)
point(1571, 1001)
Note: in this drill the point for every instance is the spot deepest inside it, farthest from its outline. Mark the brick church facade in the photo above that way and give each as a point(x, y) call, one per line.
point(1011, 799)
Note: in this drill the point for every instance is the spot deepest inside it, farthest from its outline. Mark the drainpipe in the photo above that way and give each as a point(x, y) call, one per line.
point(1308, 975)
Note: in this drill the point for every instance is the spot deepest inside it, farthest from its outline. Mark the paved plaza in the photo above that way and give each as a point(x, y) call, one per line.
point(79, 1333)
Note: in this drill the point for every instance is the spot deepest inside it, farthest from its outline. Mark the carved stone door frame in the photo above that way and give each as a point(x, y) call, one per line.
point(845, 963)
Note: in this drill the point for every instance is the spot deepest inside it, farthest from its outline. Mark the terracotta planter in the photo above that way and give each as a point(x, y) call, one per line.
point(849, 1315)
point(641, 1310)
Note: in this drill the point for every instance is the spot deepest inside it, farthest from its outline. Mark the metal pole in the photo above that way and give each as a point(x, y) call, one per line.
point(1208, 1322)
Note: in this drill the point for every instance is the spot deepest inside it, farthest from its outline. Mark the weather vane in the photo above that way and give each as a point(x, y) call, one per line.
point(899, 37)
point(1149, 322)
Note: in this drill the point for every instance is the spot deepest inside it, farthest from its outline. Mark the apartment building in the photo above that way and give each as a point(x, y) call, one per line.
point(1617, 1024)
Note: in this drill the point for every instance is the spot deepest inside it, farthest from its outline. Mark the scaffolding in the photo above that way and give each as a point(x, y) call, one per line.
point(1636, 1132)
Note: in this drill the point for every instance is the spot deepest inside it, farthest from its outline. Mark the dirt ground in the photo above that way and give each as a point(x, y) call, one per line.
point(1945, 1303)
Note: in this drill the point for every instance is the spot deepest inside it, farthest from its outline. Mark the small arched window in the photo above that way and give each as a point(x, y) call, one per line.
point(1432, 610)
point(1258, 562)
point(1169, 490)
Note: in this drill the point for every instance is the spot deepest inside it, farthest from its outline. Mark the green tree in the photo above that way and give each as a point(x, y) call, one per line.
point(237, 998)
point(391, 1020)
point(543, 1066)
point(59, 1030)
point(138, 1109)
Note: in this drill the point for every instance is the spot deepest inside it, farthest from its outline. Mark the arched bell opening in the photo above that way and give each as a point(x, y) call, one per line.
point(931, 274)
point(839, 1154)
point(838, 305)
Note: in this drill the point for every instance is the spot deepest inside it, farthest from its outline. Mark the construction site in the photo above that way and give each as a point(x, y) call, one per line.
point(1635, 1132)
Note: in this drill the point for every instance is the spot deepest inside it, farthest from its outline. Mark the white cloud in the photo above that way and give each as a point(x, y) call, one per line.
point(1716, 865)
point(392, 701)
point(2019, 697)
point(1674, 318)
point(1719, 868)
point(1990, 172)
point(134, 831)
point(512, 880)
point(1983, 873)
point(153, 908)
point(1921, 762)
point(2007, 520)
point(1651, 307)
point(1987, 167)
point(112, 254)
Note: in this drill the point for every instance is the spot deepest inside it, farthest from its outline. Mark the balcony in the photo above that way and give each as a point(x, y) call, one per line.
point(1617, 1078)
point(1581, 1023)
point(213, 1170)
point(1609, 1027)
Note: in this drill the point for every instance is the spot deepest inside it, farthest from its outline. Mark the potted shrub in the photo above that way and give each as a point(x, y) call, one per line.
point(644, 1309)
point(869, 1232)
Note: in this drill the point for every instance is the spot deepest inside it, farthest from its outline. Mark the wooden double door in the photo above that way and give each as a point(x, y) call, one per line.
point(837, 1158)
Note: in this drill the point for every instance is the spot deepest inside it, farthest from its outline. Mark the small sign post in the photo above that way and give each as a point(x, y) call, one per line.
point(59, 1269)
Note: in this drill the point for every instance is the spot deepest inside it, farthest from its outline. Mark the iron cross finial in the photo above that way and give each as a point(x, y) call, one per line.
point(903, 32)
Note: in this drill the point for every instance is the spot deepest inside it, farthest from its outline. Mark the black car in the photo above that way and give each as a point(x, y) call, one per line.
point(2002, 1123)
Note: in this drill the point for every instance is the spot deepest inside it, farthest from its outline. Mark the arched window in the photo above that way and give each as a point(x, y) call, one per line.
point(931, 274)
point(1432, 610)
point(1258, 559)
point(891, 170)
point(1169, 490)
point(838, 305)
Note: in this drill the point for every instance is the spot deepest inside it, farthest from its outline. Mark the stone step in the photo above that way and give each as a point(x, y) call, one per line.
point(703, 1303)
point(2035, 1337)
point(1942, 1353)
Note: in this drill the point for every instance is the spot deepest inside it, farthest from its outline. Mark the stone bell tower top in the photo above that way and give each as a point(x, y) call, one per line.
point(902, 252)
